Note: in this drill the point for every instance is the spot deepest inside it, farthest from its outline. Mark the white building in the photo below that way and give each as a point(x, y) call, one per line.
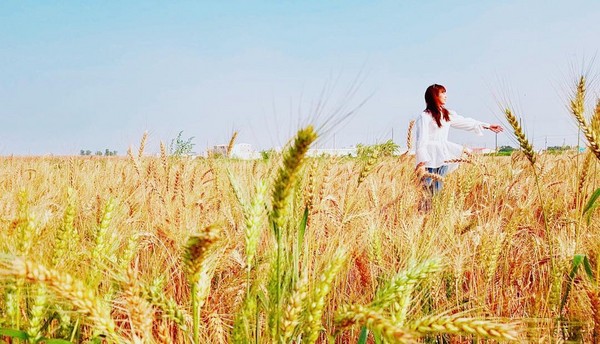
point(238, 151)
point(481, 150)
point(244, 151)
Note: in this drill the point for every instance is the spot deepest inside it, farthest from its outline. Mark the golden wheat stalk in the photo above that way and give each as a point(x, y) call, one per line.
point(368, 166)
point(199, 270)
point(404, 282)
point(141, 315)
point(244, 321)
point(523, 142)
point(409, 135)
point(310, 189)
point(375, 321)
point(583, 176)
point(134, 161)
point(577, 109)
point(253, 221)
point(26, 225)
point(81, 298)
point(165, 163)
point(142, 145)
point(456, 324)
point(316, 302)
point(286, 176)
point(422, 174)
point(216, 328)
point(66, 232)
point(433, 176)
point(102, 248)
point(168, 307)
point(197, 250)
point(231, 144)
point(237, 192)
point(458, 161)
point(291, 315)
point(595, 120)
point(38, 313)
point(595, 306)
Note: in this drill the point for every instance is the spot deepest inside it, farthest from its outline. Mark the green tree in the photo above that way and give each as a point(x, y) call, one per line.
point(181, 147)
point(267, 154)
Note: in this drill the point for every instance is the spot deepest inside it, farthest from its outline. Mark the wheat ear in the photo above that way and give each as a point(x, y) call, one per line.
point(139, 309)
point(168, 307)
point(253, 221)
point(405, 282)
point(66, 232)
point(368, 166)
point(467, 326)
point(294, 308)
point(199, 271)
point(577, 109)
point(231, 144)
point(134, 161)
point(142, 145)
point(26, 225)
point(317, 299)
point(409, 135)
point(595, 305)
point(583, 176)
point(286, 176)
point(38, 313)
point(523, 142)
point(82, 298)
point(375, 321)
point(102, 249)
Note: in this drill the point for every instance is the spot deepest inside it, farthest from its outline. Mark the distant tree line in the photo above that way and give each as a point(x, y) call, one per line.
point(107, 152)
point(507, 150)
point(559, 148)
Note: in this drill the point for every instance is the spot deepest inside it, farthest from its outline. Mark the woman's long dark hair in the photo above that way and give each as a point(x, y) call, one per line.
point(436, 110)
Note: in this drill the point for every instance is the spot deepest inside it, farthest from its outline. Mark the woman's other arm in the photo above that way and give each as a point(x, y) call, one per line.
point(422, 137)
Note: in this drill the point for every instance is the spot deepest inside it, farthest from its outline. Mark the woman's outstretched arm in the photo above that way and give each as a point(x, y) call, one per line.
point(422, 137)
point(470, 124)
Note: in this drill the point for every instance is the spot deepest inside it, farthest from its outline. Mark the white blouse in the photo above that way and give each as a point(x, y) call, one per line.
point(432, 145)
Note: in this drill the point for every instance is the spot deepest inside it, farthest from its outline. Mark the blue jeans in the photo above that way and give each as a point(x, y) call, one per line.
point(435, 186)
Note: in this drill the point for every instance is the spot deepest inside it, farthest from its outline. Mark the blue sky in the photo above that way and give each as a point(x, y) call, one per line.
point(96, 75)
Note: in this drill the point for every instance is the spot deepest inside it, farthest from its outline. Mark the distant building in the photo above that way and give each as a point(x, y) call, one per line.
point(238, 151)
point(480, 150)
point(217, 150)
point(244, 151)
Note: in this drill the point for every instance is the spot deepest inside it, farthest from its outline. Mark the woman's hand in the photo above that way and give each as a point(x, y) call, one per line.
point(495, 128)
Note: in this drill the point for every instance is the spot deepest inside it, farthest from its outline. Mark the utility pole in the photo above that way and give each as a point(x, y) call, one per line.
point(392, 134)
point(546, 143)
point(334, 141)
point(496, 142)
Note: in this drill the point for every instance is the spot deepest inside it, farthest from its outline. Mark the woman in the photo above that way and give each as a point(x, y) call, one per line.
point(433, 149)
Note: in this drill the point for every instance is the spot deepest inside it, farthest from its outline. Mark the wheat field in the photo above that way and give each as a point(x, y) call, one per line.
point(292, 249)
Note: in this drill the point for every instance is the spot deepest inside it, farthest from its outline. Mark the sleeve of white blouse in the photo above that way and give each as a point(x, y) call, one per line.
point(421, 137)
point(466, 123)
